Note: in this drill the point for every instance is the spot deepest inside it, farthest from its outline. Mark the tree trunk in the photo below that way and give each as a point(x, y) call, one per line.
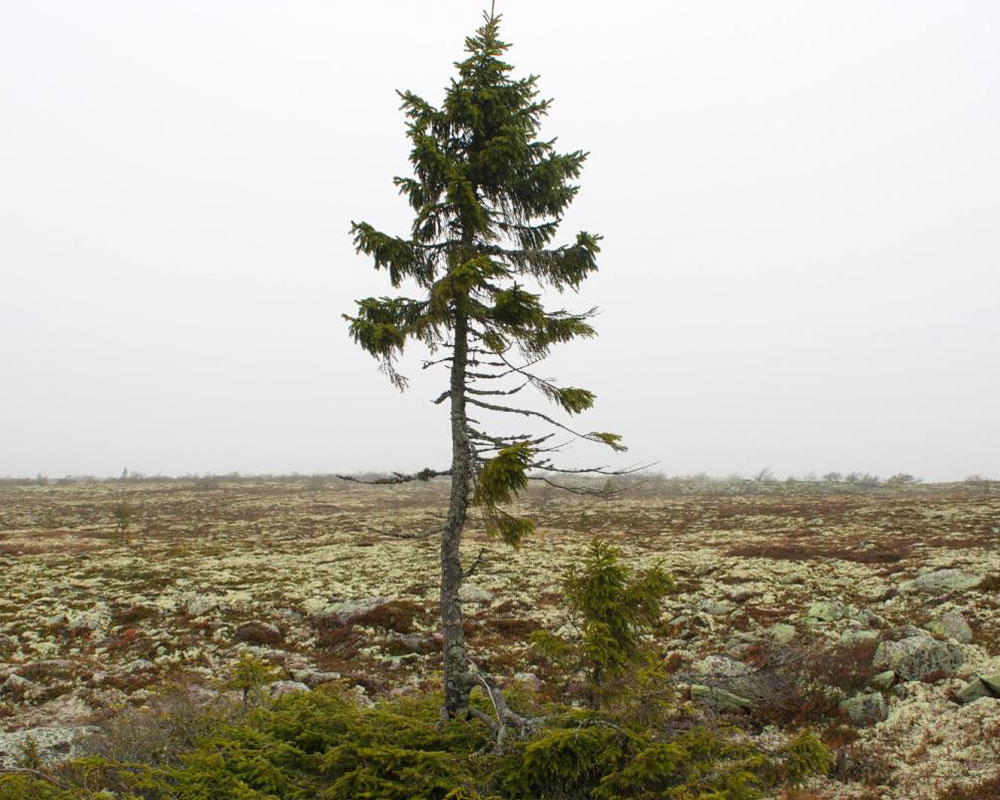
point(456, 662)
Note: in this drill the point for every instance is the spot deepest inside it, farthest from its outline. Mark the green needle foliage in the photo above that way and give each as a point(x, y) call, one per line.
point(122, 513)
point(487, 195)
point(615, 610)
point(319, 745)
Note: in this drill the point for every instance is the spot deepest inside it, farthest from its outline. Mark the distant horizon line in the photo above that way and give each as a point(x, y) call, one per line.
point(856, 477)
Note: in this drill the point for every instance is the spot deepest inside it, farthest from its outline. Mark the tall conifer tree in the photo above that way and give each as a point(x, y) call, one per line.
point(487, 195)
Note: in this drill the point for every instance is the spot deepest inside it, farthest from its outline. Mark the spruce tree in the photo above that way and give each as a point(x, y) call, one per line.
point(488, 195)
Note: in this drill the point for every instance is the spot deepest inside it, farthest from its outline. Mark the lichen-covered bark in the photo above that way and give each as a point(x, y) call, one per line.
point(456, 662)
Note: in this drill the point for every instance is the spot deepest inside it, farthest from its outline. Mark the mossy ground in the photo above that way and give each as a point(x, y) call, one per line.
point(206, 557)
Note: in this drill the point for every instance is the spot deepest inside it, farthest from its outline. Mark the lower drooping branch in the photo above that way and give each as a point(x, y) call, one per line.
point(399, 477)
point(505, 717)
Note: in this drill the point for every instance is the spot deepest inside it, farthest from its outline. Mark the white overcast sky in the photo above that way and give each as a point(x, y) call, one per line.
point(800, 203)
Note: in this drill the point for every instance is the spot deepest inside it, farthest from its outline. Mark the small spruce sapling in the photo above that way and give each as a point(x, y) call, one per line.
point(28, 755)
point(250, 676)
point(122, 513)
point(615, 610)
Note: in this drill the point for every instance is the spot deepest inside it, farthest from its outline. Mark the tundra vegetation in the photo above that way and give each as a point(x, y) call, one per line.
point(783, 601)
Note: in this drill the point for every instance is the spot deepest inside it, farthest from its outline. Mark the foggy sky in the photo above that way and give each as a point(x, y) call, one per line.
point(800, 206)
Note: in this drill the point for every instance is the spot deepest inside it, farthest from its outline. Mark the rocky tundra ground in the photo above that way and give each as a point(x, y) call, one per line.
point(869, 614)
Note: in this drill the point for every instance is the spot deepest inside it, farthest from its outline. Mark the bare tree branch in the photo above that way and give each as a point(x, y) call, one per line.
point(398, 477)
point(547, 467)
point(481, 392)
point(584, 490)
point(421, 535)
point(428, 364)
point(590, 437)
point(475, 564)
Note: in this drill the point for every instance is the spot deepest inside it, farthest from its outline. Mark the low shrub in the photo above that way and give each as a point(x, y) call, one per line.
point(321, 744)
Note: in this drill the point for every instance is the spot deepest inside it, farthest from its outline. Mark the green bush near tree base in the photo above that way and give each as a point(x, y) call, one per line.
point(614, 610)
point(322, 746)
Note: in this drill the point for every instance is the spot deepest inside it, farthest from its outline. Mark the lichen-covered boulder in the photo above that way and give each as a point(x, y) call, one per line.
point(952, 625)
point(717, 608)
point(943, 580)
point(281, 688)
point(527, 680)
point(918, 656)
point(854, 638)
point(865, 709)
point(15, 684)
point(782, 633)
point(972, 691)
point(96, 619)
point(198, 605)
point(883, 681)
point(53, 743)
point(470, 593)
point(719, 699)
point(314, 678)
point(347, 612)
point(826, 611)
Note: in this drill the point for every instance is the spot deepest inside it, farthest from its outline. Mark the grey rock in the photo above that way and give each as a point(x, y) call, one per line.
point(96, 619)
point(913, 658)
point(139, 665)
point(719, 699)
point(470, 593)
point(529, 680)
point(883, 681)
point(826, 611)
point(347, 612)
point(741, 593)
point(721, 667)
point(782, 633)
point(853, 638)
point(314, 678)
point(992, 683)
point(953, 626)
point(416, 643)
point(972, 691)
point(200, 604)
point(717, 608)
point(15, 683)
point(54, 743)
point(865, 709)
point(281, 688)
point(943, 580)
